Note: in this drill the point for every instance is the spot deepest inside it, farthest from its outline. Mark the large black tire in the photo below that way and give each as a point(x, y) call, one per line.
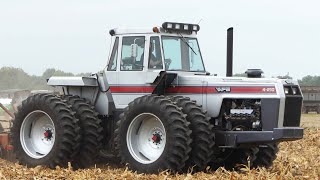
point(177, 148)
point(235, 159)
point(91, 131)
point(202, 135)
point(266, 155)
point(67, 131)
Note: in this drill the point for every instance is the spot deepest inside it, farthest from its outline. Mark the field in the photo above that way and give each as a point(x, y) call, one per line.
point(296, 160)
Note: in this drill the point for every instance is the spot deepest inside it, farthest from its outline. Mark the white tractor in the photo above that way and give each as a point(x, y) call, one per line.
point(155, 107)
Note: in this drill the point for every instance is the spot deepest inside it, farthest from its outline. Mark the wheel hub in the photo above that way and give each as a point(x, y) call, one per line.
point(48, 134)
point(156, 138)
point(146, 138)
point(37, 134)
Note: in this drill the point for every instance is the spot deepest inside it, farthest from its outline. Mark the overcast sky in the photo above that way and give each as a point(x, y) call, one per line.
point(278, 36)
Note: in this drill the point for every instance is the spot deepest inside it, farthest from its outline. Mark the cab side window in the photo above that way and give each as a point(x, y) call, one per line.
point(112, 66)
point(132, 55)
point(155, 57)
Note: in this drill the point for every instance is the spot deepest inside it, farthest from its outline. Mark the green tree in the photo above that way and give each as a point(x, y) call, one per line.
point(310, 81)
point(16, 78)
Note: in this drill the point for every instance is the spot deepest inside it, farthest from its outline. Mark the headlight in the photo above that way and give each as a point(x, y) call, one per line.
point(286, 90)
point(169, 26)
point(294, 91)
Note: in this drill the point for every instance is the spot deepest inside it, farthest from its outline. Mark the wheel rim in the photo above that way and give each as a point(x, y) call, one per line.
point(37, 134)
point(146, 138)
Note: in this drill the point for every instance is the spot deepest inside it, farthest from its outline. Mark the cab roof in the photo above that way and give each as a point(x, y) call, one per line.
point(119, 31)
point(167, 28)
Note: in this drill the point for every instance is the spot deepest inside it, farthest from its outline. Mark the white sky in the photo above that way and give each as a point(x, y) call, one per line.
point(72, 35)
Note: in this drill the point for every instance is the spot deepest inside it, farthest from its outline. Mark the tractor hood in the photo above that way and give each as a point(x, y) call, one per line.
point(209, 91)
point(269, 86)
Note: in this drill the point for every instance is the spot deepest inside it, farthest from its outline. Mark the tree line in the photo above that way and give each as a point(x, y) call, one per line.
point(16, 78)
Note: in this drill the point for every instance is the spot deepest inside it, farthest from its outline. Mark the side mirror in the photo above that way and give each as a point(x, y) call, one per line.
point(134, 50)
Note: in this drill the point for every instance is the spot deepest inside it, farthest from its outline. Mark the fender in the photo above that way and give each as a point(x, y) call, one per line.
point(95, 89)
point(73, 81)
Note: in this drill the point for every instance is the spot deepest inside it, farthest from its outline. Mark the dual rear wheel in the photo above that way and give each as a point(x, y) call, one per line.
point(52, 131)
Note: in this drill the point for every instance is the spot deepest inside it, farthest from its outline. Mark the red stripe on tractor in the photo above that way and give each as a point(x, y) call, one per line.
point(131, 89)
point(192, 89)
point(268, 89)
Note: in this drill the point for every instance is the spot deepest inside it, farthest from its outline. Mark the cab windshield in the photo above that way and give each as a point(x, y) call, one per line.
point(182, 54)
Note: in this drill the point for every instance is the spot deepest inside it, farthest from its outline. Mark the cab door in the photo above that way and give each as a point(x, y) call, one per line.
point(155, 59)
point(132, 73)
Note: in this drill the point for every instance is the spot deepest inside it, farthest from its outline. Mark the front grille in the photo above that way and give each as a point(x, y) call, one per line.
point(292, 112)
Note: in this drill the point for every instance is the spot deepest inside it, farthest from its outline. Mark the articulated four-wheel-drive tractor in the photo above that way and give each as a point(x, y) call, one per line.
point(155, 107)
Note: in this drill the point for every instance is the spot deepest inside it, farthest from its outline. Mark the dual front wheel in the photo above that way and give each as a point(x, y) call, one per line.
point(251, 157)
point(157, 133)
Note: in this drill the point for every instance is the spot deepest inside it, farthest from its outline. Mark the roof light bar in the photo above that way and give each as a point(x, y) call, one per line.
point(180, 27)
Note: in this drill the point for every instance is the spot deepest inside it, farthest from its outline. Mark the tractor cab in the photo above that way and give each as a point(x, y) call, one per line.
point(172, 47)
point(139, 55)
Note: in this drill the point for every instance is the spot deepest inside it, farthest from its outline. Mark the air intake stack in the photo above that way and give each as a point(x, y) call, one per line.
point(229, 52)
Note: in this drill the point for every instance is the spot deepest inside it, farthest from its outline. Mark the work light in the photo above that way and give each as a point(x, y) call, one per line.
point(183, 27)
point(195, 28)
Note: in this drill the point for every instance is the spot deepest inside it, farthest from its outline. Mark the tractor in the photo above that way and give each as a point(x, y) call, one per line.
point(155, 108)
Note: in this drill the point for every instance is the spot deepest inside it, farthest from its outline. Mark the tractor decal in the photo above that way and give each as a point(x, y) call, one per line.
point(195, 89)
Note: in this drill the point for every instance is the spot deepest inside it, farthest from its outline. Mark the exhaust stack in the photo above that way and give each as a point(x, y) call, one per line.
point(229, 52)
